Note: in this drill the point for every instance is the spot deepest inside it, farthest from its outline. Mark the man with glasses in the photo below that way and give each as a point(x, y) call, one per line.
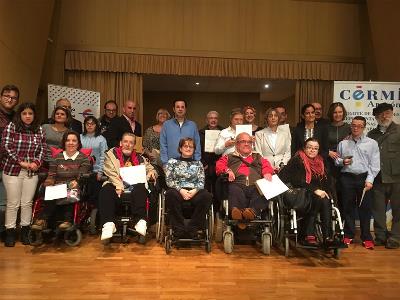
point(387, 183)
point(9, 99)
point(110, 112)
point(244, 168)
point(318, 114)
point(360, 162)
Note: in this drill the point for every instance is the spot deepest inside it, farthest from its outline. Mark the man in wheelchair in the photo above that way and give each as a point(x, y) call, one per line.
point(244, 168)
point(114, 189)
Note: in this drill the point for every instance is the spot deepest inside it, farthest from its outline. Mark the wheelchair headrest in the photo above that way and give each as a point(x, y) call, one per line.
point(55, 151)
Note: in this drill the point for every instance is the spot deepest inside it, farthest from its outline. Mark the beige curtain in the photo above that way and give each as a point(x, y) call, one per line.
point(115, 86)
point(308, 91)
point(210, 66)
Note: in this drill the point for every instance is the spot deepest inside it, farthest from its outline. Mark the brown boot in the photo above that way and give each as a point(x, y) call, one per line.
point(39, 224)
point(236, 214)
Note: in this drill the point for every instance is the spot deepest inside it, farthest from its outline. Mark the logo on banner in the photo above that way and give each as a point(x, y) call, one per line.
point(86, 113)
point(367, 94)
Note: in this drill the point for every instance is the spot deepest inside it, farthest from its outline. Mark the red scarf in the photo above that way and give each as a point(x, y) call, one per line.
point(313, 166)
point(120, 156)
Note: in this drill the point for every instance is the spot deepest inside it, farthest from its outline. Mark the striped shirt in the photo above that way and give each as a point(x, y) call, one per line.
point(25, 145)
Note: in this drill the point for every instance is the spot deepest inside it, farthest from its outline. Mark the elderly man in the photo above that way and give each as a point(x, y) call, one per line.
point(387, 183)
point(122, 124)
point(113, 189)
point(359, 159)
point(176, 129)
point(209, 158)
point(244, 168)
point(110, 112)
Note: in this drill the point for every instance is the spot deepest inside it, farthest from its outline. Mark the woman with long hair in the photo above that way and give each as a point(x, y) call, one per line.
point(24, 145)
point(249, 113)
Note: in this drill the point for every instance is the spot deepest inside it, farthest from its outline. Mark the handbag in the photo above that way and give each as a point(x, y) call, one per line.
point(298, 199)
point(73, 195)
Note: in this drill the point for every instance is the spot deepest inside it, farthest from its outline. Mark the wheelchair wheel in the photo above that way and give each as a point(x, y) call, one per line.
point(168, 245)
point(337, 252)
point(73, 237)
point(228, 242)
point(277, 223)
point(161, 219)
point(35, 238)
point(287, 248)
point(219, 228)
point(210, 219)
point(266, 243)
point(208, 246)
point(92, 224)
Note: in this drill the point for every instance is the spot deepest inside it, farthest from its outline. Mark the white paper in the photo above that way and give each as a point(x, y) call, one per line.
point(244, 128)
point(271, 189)
point(210, 140)
point(53, 192)
point(362, 196)
point(133, 175)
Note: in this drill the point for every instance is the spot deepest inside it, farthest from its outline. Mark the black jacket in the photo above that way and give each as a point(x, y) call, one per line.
point(320, 133)
point(117, 128)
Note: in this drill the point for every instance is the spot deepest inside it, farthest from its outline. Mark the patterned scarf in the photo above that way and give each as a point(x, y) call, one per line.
point(133, 160)
point(313, 166)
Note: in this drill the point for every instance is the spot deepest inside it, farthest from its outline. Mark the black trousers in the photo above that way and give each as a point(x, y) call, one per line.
point(242, 196)
point(323, 207)
point(109, 202)
point(63, 212)
point(200, 203)
point(352, 187)
point(93, 190)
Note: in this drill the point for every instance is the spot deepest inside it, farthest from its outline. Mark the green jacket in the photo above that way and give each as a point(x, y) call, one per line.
point(389, 147)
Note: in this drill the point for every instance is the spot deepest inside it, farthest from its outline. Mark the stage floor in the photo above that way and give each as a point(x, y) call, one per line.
point(134, 271)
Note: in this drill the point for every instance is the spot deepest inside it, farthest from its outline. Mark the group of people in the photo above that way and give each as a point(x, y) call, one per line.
point(328, 157)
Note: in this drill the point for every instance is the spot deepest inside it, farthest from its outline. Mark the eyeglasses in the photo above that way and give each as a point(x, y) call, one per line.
point(245, 142)
point(312, 148)
point(8, 97)
point(90, 123)
point(356, 126)
point(111, 110)
point(188, 146)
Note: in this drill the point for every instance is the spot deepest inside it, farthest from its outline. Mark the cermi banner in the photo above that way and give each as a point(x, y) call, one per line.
point(360, 97)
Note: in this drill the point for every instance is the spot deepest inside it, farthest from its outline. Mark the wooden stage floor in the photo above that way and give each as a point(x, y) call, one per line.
point(135, 271)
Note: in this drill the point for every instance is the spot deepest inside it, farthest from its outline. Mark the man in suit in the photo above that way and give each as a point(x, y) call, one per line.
point(318, 115)
point(123, 124)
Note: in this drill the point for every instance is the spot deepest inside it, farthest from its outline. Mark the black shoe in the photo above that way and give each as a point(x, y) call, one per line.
point(10, 237)
point(24, 235)
point(392, 244)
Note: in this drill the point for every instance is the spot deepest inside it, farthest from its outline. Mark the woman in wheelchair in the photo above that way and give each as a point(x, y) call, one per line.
point(66, 167)
point(185, 180)
point(307, 170)
point(113, 189)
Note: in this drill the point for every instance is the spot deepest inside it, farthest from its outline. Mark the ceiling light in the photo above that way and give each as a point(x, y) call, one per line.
point(197, 83)
point(266, 85)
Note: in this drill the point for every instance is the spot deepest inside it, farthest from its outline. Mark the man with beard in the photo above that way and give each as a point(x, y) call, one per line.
point(387, 183)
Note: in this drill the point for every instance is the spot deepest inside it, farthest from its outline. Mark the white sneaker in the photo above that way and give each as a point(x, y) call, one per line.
point(141, 227)
point(107, 231)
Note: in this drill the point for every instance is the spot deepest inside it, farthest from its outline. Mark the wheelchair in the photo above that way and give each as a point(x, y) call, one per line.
point(81, 218)
point(290, 231)
point(264, 229)
point(165, 234)
point(125, 223)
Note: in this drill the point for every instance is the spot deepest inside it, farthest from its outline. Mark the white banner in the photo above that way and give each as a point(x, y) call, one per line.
point(361, 97)
point(84, 103)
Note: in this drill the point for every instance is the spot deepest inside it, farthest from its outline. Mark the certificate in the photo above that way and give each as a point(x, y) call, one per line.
point(244, 128)
point(133, 175)
point(53, 192)
point(210, 140)
point(271, 189)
